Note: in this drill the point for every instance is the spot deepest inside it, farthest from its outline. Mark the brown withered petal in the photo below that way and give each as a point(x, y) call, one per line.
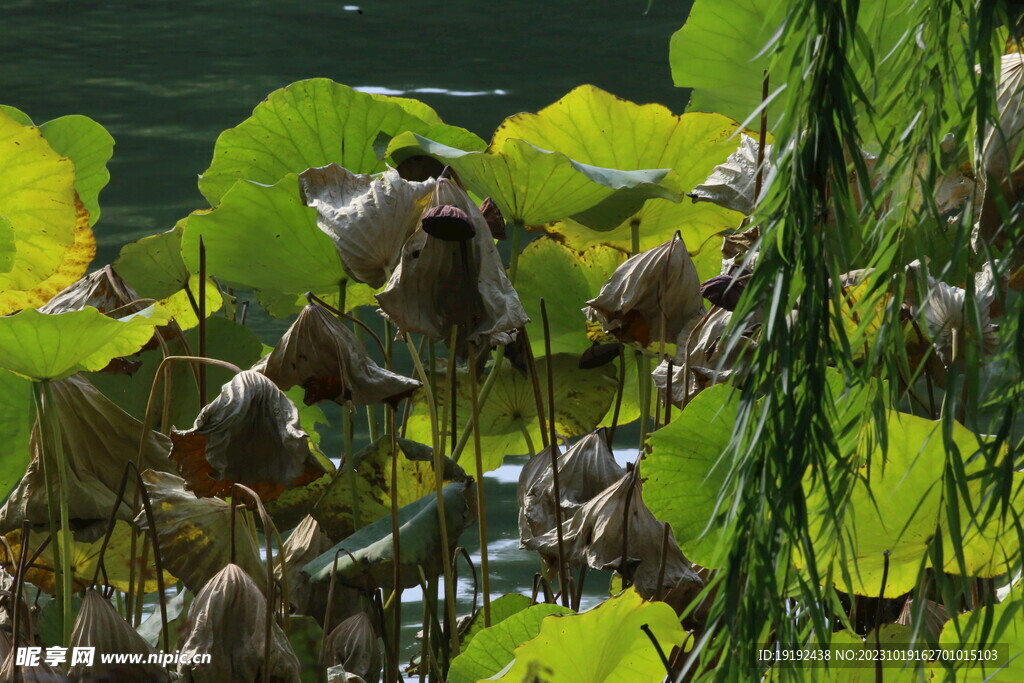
point(439, 284)
point(104, 290)
point(448, 223)
point(368, 217)
point(655, 286)
point(99, 625)
point(353, 645)
point(250, 435)
point(98, 439)
point(584, 470)
point(598, 355)
point(495, 221)
point(226, 622)
point(732, 184)
point(724, 290)
point(593, 537)
point(320, 354)
point(195, 533)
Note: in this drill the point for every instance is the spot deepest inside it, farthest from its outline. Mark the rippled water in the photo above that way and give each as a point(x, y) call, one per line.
point(166, 78)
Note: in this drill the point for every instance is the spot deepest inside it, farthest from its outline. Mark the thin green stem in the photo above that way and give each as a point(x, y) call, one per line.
point(481, 507)
point(485, 391)
point(513, 260)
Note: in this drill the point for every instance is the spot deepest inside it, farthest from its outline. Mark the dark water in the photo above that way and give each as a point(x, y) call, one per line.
point(166, 77)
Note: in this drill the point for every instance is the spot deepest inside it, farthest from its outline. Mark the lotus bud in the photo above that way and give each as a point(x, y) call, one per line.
point(584, 470)
point(439, 283)
point(226, 622)
point(596, 536)
point(98, 439)
point(368, 217)
point(495, 221)
point(103, 290)
point(353, 645)
point(731, 185)
point(724, 290)
point(320, 354)
point(653, 295)
point(250, 435)
point(99, 625)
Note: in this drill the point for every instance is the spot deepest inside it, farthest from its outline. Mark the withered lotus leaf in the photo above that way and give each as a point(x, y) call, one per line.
point(41, 673)
point(724, 290)
point(249, 434)
point(104, 290)
point(98, 439)
point(448, 223)
point(226, 622)
point(439, 283)
point(353, 645)
point(944, 311)
point(731, 185)
point(368, 217)
point(195, 533)
point(324, 357)
point(593, 537)
point(305, 543)
point(585, 470)
point(656, 286)
point(99, 625)
point(496, 222)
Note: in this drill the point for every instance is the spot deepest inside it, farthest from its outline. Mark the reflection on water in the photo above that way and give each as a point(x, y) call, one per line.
point(166, 78)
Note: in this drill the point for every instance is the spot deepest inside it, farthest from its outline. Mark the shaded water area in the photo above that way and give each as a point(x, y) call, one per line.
point(166, 78)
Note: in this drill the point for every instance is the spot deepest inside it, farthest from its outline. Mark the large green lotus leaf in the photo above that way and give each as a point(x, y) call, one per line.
point(501, 609)
point(153, 265)
point(8, 245)
point(682, 459)
point(16, 417)
point(263, 237)
point(53, 243)
point(491, 649)
point(17, 114)
point(50, 347)
point(314, 123)
point(1001, 624)
point(532, 186)
point(605, 644)
point(582, 398)
point(90, 147)
point(579, 277)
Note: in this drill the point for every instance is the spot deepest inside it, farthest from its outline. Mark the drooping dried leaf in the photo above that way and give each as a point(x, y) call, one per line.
point(496, 222)
point(368, 217)
point(584, 470)
point(353, 645)
point(943, 310)
point(1002, 175)
point(320, 354)
point(305, 543)
point(439, 283)
point(593, 537)
point(99, 625)
point(226, 621)
point(660, 284)
point(250, 434)
point(195, 533)
point(28, 674)
point(98, 440)
point(731, 185)
point(103, 290)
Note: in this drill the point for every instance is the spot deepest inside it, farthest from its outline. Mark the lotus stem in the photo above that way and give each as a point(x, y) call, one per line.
point(485, 391)
point(481, 507)
point(618, 395)
point(449, 584)
point(350, 466)
point(528, 439)
point(643, 369)
point(633, 477)
point(19, 582)
point(513, 260)
point(563, 584)
point(668, 392)
point(531, 363)
point(762, 138)
point(202, 321)
point(662, 559)
point(396, 545)
point(267, 535)
point(657, 646)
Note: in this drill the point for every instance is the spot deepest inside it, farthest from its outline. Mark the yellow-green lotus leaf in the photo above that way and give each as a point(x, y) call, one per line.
point(90, 147)
point(180, 308)
point(49, 347)
point(8, 246)
point(49, 225)
point(1000, 626)
point(602, 645)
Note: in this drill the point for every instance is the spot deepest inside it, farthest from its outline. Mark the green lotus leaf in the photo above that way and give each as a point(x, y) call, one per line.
point(50, 347)
point(313, 123)
point(263, 237)
point(52, 241)
point(566, 646)
point(16, 417)
point(532, 186)
point(491, 649)
point(17, 114)
point(153, 265)
point(90, 147)
point(1001, 624)
point(179, 306)
point(501, 609)
point(579, 277)
point(8, 245)
point(582, 398)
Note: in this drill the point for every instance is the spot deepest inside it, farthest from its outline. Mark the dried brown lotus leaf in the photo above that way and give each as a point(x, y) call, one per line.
point(492, 214)
point(26, 674)
point(660, 284)
point(368, 217)
point(320, 354)
point(353, 645)
point(439, 284)
point(195, 533)
point(250, 434)
point(593, 537)
point(584, 470)
point(99, 625)
point(104, 290)
point(307, 542)
point(226, 622)
point(732, 184)
point(337, 674)
point(98, 439)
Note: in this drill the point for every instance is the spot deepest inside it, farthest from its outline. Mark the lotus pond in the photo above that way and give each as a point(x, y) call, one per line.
point(623, 392)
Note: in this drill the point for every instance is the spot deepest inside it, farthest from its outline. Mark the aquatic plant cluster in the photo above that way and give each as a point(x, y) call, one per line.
point(803, 291)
